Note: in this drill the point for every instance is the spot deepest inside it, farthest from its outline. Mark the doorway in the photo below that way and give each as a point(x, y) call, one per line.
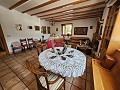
point(3, 45)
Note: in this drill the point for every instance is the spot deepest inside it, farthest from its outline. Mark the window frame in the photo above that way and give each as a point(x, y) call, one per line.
point(62, 29)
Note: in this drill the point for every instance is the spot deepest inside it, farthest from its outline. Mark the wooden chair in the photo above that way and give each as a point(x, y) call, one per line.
point(24, 43)
point(31, 43)
point(16, 46)
point(59, 42)
point(45, 80)
point(73, 45)
point(39, 48)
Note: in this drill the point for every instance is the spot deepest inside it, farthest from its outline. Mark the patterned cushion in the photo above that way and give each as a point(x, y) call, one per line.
point(51, 77)
point(16, 44)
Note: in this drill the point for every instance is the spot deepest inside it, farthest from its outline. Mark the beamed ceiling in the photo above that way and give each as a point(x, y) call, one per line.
point(57, 10)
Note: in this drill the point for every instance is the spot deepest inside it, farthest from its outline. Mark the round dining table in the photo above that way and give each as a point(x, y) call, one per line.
point(70, 64)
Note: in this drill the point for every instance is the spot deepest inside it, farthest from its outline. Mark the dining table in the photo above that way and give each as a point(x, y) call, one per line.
point(71, 63)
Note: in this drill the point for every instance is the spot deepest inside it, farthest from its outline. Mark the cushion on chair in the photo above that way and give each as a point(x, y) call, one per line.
point(49, 44)
point(51, 77)
point(16, 44)
point(59, 45)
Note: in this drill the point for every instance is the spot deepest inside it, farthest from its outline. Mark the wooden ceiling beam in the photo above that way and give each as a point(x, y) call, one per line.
point(18, 4)
point(55, 8)
point(86, 11)
point(41, 5)
point(78, 8)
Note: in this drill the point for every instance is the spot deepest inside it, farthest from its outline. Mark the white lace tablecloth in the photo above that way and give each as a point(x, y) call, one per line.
point(71, 67)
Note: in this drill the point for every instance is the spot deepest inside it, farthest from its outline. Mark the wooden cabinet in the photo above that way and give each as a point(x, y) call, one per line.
point(113, 15)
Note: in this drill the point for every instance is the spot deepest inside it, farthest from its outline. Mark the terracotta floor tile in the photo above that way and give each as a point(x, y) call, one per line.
point(32, 58)
point(9, 84)
point(4, 68)
point(79, 82)
point(26, 89)
point(6, 57)
point(18, 86)
point(23, 74)
point(33, 86)
point(11, 63)
point(29, 79)
point(29, 56)
point(1, 88)
point(16, 66)
point(2, 65)
point(7, 77)
point(2, 73)
point(75, 88)
point(19, 70)
point(68, 79)
point(67, 86)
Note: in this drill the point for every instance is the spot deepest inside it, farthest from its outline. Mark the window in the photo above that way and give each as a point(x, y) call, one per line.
point(67, 29)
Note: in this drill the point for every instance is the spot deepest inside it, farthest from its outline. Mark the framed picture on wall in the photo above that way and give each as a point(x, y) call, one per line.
point(48, 30)
point(43, 29)
point(37, 28)
point(18, 27)
point(80, 30)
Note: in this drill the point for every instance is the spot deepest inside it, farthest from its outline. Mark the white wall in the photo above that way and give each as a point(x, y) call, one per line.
point(79, 23)
point(8, 19)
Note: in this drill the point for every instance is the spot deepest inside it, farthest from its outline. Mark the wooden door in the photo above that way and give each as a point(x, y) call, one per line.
point(3, 44)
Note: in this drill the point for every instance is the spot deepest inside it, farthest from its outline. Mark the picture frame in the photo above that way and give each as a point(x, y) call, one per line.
point(91, 27)
point(56, 29)
point(30, 27)
point(18, 27)
point(80, 30)
point(48, 30)
point(43, 29)
point(37, 28)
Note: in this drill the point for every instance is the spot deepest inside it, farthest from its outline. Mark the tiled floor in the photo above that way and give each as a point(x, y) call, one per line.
point(15, 76)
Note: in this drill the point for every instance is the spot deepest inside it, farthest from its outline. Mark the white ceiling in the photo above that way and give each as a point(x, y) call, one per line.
point(32, 3)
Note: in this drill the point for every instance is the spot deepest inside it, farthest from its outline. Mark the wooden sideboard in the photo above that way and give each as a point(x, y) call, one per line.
point(77, 40)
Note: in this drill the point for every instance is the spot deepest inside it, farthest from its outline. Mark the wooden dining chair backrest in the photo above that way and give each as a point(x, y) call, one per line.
point(73, 45)
point(37, 74)
point(39, 48)
point(30, 40)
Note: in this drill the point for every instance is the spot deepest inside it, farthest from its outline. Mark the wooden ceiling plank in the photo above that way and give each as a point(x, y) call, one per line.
point(80, 15)
point(41, 5)
point(55, 8)
point(85, 11)
point(93, 13)
point(86, 6)
point(75, 17)
point(79, 18)
point(18, 4)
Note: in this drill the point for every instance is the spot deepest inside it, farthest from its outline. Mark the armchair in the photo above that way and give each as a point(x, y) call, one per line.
point(16, 45)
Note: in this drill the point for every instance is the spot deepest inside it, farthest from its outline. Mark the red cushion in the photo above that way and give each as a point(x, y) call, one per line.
point(59, 45)
point(49, 44)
